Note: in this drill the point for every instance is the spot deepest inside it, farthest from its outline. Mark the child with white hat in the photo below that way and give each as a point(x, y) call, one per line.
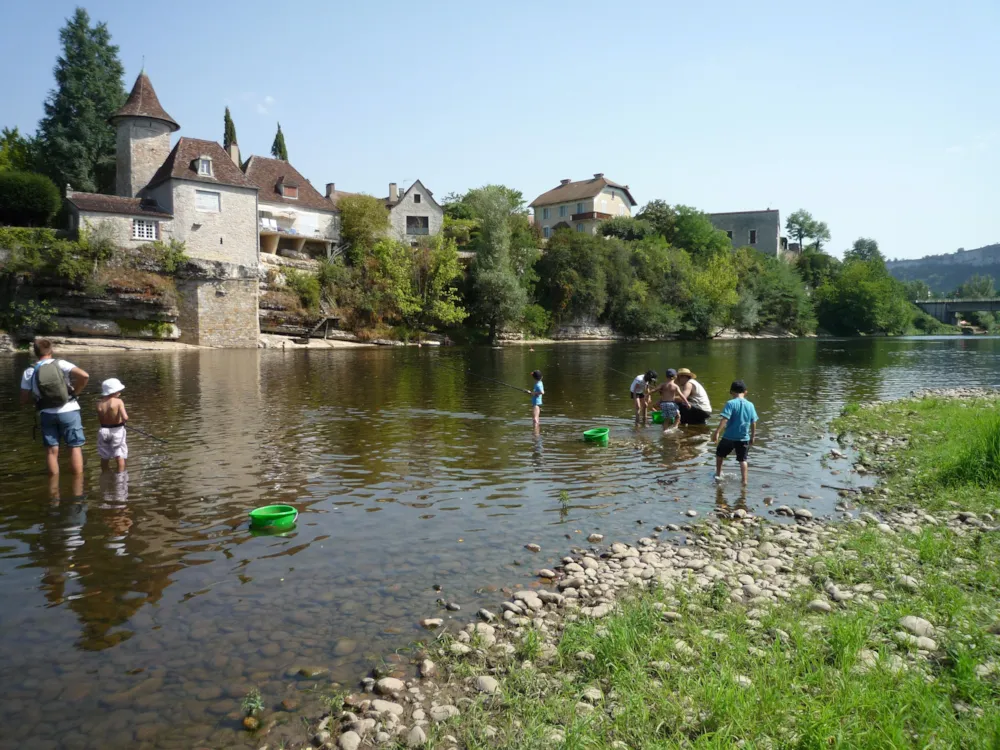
point(111, 412)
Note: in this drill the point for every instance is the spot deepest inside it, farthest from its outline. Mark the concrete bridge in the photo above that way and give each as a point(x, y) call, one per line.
point(947, 310)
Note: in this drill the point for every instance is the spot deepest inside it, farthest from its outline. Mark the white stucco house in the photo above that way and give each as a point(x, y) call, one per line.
point(413, 213)
point(581, 205)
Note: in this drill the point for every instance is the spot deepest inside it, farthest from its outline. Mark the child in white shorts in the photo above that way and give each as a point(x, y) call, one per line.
point(111, 438)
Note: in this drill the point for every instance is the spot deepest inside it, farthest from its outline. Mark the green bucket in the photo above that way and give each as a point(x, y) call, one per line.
point(273, 517)
point(597, 435)
point(657, 417)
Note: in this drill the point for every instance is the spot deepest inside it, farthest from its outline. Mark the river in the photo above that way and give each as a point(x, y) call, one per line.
point(140, 613)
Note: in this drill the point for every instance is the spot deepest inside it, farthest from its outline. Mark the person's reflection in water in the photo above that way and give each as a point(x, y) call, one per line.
point(55, 492)
point(537, 448)
point(114, 492)
point(723, 505)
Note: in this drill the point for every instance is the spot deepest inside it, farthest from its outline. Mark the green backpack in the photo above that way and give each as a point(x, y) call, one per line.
point(51, 385)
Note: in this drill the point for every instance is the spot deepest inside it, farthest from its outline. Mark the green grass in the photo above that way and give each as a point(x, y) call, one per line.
point(808, 687)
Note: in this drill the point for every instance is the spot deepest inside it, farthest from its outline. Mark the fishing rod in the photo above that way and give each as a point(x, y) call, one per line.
point(143, 432)
point(485, 377)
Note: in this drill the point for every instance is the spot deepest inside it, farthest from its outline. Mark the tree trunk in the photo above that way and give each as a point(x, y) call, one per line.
point(493, 332)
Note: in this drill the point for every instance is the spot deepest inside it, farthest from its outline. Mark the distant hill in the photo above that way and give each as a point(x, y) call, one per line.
point(945, 272)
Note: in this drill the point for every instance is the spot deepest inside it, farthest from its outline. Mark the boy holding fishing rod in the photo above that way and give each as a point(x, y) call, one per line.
point(111, 443)
point(536, 397)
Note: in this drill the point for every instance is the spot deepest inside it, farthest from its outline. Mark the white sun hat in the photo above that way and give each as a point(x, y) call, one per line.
point(111, 386)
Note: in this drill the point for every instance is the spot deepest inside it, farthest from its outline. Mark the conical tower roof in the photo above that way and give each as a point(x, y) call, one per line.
point(142, 102)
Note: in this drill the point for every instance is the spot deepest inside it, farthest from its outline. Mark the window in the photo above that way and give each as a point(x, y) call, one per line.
point(579, 208)
point(207, 201)
point(729, 233)
point(416, 197)
point(290, 191)
point(205, 166)
point(547, 232)
point(753, 236)
point(621, 210)
point(418, 225)
point(562, 210)
point(145, 229)
point(579, 227)
point(545, 213)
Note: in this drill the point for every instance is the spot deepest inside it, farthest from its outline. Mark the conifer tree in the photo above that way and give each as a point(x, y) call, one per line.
point(278, 150)
point(75, 143)
point(229, 135)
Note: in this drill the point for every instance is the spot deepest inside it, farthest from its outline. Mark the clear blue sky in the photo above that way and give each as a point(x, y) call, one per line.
point(883, 119)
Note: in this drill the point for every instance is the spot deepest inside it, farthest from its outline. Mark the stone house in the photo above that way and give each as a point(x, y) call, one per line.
point(760, 230)
point(581, 205)
point(293, 218)
point(193, 193)
point(413, 213)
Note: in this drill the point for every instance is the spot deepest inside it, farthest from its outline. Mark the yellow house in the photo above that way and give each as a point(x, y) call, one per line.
point(581, 205)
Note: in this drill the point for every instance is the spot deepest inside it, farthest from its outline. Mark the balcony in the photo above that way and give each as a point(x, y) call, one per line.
point(278, 234)
point(590, 216)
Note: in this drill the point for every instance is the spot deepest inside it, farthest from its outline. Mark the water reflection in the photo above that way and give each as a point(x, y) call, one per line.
point(139, 607)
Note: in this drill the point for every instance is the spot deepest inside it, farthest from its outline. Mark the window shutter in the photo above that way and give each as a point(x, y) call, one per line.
point(156, 230)
point(132, 223)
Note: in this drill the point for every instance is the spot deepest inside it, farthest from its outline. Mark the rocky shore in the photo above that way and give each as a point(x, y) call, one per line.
point(465, 688)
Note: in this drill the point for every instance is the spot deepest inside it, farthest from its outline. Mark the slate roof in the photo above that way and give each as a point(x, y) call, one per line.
point(574, 191)
point(267, 174)
point(400, 194)
point(142, 102)
point(115, 204)
point(180, 165)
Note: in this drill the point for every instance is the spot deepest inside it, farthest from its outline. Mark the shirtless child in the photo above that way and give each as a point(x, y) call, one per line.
point(670, 394)
point(112, 415)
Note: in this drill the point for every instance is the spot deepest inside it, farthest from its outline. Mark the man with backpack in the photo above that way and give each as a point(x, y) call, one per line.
point(53, 384)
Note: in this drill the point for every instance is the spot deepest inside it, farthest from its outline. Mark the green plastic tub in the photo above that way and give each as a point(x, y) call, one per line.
point(657, 417)
point(597, 435)
point(273, 517)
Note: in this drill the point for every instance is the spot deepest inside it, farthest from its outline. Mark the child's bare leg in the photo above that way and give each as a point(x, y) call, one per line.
point(718, 465)
point(105, 465)
point(534, 415)
point(743, 471)
point(121, 465)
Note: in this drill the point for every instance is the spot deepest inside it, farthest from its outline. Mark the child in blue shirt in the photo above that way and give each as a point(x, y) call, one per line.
point(738, 428)
point(536, 397)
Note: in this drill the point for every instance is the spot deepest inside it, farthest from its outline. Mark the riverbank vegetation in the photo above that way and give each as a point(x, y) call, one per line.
point(877, 631)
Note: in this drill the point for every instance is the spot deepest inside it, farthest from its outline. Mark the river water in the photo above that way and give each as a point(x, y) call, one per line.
point(140, 613)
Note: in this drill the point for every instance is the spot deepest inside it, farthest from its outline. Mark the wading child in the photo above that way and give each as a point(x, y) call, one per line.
point(536, 397)
point(670, 395)
point(738, 427)
point(112, 415)
point(639, 393)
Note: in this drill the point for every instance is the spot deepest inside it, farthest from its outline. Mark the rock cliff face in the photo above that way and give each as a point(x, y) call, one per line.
point(943, 273)
point(584, 330)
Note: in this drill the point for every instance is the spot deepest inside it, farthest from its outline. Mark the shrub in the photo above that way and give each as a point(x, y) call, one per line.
point(27, 199)
point(536, 321)
point(40, 252)
point(305, 285)
point(29, 316)
point(168, 256)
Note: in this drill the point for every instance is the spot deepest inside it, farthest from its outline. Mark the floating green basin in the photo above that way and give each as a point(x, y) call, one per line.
point(657, 417)
point(597, 435)
point(273, 517)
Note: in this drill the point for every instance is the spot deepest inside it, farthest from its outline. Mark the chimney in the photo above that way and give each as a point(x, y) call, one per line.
point(565, 182)
point(393, 193)
point(331, 188)
point(234, 153)
point(598, 175)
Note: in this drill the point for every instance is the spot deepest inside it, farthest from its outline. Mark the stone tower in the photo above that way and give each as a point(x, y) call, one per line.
point(143, 138)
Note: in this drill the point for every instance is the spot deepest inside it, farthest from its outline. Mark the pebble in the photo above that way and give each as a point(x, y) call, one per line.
point(916, 625)
point(691, 513)
point(595, 538)
point(387, 707)
point(533, 547)
point(389, 686)
point(546, 573)
point(743, 681)
point(593, 695)
point(485, 614)
point(431, 622)
point(459, 649)
point(803, 513)
point(909, 583)
point(818, 605)
point(427, 668)
point(416, 737)
point(443, 713)
point(348, 741)
point(487, 685)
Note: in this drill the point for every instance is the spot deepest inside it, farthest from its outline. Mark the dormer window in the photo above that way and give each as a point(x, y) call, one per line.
point(288, 189)
point(204, 164)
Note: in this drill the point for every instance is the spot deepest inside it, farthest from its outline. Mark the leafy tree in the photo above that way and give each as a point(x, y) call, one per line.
point(820, 235)
point(27, 199)
point(976, 287)
point(499, 296)
point(364, 220)
point(229, 131)
point(386, 283)
point(571, 273)
point(15, 151)
point(436, 271)
point(459, 230)
point(713, 294)
point(695, 233)
point(816, 267)
point(627, 228)
point(800, 224)
point(863, 299)
point(278, 148)
point(864, 249)
point(75, 142)
point(917, 289)
point(661, 215)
